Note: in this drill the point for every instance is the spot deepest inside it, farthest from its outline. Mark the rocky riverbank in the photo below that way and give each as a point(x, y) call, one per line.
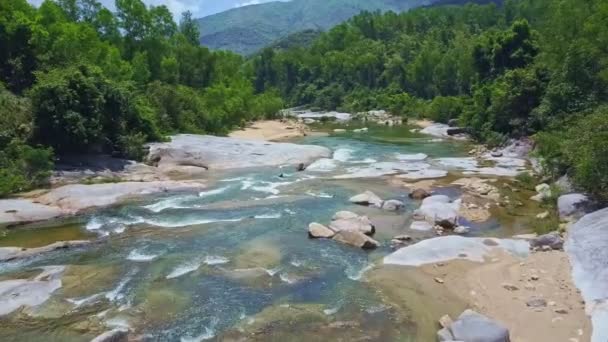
point(435, 237)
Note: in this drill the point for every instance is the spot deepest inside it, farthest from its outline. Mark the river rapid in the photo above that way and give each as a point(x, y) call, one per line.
point(234, 262)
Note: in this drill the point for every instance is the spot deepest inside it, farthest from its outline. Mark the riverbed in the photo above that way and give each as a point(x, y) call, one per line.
point(234, 262)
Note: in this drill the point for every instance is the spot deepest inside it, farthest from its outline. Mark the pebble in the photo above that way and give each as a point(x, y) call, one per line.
point(446, 321)
point(561, 311)
point(534, 277)
point(510, 287)
point(439, 280)
point(536, 303)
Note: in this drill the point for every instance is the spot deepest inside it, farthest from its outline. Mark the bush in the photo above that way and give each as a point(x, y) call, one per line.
point(78, 110)
point(443, 109)
point(23, 167)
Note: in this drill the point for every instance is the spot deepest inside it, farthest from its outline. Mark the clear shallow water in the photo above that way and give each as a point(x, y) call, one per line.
point(232, 259)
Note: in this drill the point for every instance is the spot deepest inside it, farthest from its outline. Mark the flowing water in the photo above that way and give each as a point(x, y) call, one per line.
point(232, 262)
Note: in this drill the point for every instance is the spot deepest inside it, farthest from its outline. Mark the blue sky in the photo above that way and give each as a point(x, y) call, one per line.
point(200, 8)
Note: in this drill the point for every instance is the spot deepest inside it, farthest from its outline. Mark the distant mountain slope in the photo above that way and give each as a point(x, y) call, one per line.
point(247, 29)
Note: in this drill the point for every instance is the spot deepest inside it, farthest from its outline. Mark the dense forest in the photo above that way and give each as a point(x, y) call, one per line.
point(77, 78)
point(527, 68)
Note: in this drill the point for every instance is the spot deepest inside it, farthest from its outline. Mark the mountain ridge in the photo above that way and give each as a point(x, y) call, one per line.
point(247, 29)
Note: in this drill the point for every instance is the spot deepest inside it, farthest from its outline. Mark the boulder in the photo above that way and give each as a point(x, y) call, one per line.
point(17, 293)
point(344, 215)
point(393, 205)
point(444, 334)
point(317, 231)
point(475, 327)
point(572, 205)
point(451, 247)
point(222, 153)
point(586, 248)
point(439, 210)
point(421, 226)
point(419, 194)
point(356, 239)
point(116, 335)
point(367, 198)
point(455, 131)
point(552, 240)
point(360, 224)
point(453, 122)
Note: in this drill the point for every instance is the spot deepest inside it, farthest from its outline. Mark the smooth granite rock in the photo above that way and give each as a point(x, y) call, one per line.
point(587, 249)
point(221, 153)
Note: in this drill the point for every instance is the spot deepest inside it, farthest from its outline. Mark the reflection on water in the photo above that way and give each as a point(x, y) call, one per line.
point(233, 261)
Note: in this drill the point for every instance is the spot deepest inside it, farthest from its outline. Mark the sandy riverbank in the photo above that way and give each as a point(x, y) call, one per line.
point(486, 288)
point(271, 130)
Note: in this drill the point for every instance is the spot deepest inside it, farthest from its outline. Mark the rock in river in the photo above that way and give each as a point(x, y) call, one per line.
point(317, 230)
point(16, 293)
point(220, 153)
point(344, 215)
point(74, 198)
point(356, 239)
point(440, 210)
point(360, 224)
point(367, 198)
point(419, 194)
point(392, 205)
point(116, 335)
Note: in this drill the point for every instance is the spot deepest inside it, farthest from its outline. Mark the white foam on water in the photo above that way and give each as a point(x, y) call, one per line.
point(169, 203)
point(213, 192)
point(138, 256)
point(236, 179)
point(343, 154)
point(116, 293)
point(286, 279)
point(331, 311)
point(411, 157)
point(268, 216)
point(94, 224)
point(78, 302)
point(363, 161)
point(207, 335)
point(323, 165)
point(296, 263)
point(319, 195)
point(356, 274)
point(187, 222)
point(120, 229)
point(273, 271)
point(215, 260)
point(183, 269)
point(289, 211)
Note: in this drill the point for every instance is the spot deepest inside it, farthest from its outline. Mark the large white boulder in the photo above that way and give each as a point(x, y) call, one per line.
point(446, 248)
point(587, 248)
point(221, 153)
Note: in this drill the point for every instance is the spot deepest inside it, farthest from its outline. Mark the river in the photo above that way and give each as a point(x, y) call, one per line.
point(234, 262)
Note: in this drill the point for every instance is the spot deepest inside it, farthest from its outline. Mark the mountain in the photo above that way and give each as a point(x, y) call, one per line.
point(247, 29)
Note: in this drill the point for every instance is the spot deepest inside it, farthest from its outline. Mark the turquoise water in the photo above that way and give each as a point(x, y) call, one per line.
point(227, 262)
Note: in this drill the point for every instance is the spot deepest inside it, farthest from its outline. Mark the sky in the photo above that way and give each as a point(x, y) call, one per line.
point(199, 8)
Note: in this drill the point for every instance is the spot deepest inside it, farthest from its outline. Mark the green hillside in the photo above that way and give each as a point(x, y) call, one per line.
point(247, 29)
